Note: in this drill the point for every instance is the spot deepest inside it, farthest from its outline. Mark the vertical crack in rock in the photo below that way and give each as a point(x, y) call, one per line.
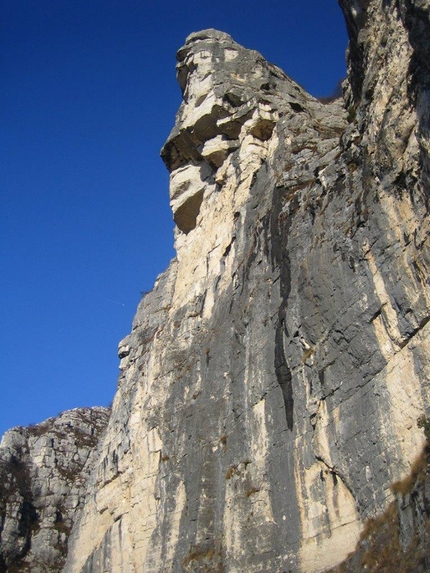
point(283, 373)
point(279, 226)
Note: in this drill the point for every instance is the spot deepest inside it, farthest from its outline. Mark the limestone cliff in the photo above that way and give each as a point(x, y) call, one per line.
point(44, 472)
point(399, 538)
point(273, 377)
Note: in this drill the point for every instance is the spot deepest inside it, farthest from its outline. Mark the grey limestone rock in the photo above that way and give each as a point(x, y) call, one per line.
point(398, 539)
point(272, 381)
point(44, 472)
point(271, 384)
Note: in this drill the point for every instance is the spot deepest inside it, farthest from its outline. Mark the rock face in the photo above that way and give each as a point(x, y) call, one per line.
point(398, 539)
point(272, 382)
point(44, 472)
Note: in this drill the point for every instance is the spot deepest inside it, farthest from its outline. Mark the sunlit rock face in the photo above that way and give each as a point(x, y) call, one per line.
point(273, 378)
point(44, 473)
point(272, 381)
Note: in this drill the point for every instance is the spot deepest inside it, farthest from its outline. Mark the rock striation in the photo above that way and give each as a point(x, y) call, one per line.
point(44, 473)
point(273, 378)
point(271, 385)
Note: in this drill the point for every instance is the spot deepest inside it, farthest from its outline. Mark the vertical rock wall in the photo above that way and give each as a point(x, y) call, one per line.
point(272, 381)
point(273, 378)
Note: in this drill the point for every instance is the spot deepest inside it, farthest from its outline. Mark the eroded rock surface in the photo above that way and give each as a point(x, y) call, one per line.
point(272, 381)
point(44, 473)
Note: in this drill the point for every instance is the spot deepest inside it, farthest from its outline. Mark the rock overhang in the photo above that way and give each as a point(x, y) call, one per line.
point(229, 92)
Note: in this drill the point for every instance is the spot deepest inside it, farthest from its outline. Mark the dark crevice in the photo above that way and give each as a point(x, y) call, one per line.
point(279, 228)
point(414, 332)
point(283, 375)
point(296, 107)
point(186, 215)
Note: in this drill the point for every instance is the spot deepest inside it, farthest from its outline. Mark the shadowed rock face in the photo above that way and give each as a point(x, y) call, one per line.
point(273, 378)
point(44, 472)
point(398, 539)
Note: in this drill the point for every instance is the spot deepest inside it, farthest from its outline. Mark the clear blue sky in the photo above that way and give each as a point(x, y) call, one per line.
point(88, 96)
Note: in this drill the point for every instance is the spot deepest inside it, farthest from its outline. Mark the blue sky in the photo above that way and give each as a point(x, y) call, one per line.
point(88, 98)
